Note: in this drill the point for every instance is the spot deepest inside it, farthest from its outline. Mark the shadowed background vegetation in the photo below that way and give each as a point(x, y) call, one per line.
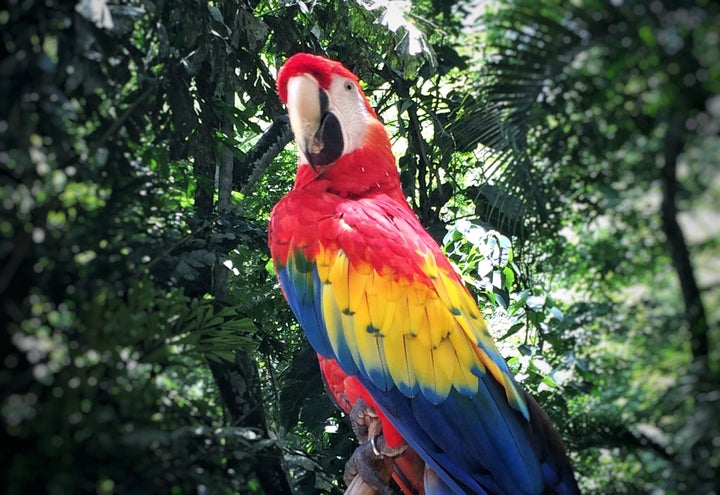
point(565, 154)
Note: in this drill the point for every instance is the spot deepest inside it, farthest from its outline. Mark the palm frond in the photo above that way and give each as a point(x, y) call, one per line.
point(528, 51)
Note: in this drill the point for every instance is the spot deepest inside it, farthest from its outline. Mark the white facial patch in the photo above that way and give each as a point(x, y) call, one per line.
point(348, 105)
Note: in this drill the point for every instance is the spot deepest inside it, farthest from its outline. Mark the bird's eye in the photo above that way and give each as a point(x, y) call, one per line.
point(349, 87)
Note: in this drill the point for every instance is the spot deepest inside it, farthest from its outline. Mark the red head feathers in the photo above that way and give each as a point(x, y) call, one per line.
point(322, 69)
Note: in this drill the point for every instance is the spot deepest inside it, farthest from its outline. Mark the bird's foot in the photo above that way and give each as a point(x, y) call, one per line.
point(373, 459)
point(375, 470)
point(364, 421)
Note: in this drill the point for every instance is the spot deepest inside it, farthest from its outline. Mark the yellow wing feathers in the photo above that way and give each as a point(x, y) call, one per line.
point(423, 335)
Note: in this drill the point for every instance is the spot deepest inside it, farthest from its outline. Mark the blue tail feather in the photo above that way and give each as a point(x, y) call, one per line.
point(434, 485)
point(474, 445)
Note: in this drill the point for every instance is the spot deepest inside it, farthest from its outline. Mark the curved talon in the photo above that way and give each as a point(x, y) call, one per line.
point(382, 450)
point(374, 447)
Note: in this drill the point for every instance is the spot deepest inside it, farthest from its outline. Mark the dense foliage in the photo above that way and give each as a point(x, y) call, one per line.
point(564, 153)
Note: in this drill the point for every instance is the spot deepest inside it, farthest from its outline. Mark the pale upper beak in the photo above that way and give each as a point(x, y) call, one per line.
point(316, 129)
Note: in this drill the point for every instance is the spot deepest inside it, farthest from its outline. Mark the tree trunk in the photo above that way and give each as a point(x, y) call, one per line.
point(239, 381)
point(239, 385)
point(679, 252)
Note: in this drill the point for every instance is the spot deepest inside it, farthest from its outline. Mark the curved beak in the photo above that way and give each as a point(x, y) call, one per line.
point(317, 130)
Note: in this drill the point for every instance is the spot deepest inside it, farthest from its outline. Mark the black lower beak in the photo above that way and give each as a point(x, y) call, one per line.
point(327, 144)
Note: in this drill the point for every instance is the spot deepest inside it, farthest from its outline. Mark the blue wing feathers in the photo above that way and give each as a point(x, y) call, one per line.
point(475, 445)
point(300, 296)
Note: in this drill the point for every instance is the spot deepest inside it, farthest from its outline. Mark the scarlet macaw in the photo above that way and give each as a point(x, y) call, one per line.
point(374, 292)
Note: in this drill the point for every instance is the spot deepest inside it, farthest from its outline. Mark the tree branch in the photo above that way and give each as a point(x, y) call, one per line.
point(270, 144)
point(679, 252)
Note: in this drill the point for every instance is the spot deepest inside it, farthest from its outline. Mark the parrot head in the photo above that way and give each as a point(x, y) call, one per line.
point(329, 113)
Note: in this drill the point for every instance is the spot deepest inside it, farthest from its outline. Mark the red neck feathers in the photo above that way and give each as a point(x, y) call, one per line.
point(366, 171)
